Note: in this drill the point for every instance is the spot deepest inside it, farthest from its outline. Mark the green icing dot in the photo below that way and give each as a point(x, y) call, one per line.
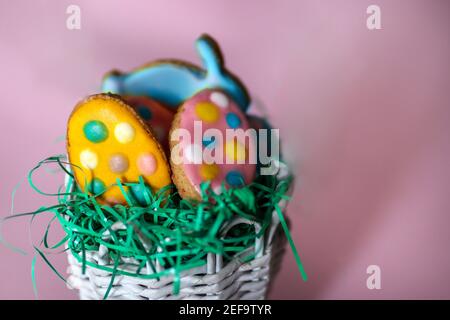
point(95, 131)
point(96, 186)
point(137, 191)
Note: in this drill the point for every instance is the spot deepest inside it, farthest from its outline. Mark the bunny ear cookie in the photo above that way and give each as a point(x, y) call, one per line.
point(218, 157)
point(172, 82)
point(106, 141)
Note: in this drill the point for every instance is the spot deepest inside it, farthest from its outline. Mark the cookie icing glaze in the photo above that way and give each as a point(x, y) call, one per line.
point(212, 108)
point(107, 140)
point(171, 82)
point(155, 115)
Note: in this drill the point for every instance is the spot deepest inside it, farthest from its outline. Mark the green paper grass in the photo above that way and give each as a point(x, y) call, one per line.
point(176, 233)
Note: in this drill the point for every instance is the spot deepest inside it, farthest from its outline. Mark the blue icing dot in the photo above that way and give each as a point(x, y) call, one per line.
point(144, 112)
point(96, 186)
point(235, 178)
point(233, 120)
point(137, 191)
point(209, 142)
point(95, 131)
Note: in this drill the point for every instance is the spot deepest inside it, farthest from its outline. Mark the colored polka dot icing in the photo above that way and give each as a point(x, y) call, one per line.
point(146, 164)
point(106, 141)
point(118, 163)
point(124, 132)
point(96, 186)
point(207, 112)
point(219, 99)
point(235, 151)
point(144, 112)
point(88, 159)
point(95, 131)
point(216, 112)
point(193, 153)
point(233, 120)
point(209, 171)
point(234, 178)
point(209, 141)
point(139, 194)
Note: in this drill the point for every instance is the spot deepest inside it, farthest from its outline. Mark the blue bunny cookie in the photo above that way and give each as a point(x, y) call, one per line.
point(172, 82)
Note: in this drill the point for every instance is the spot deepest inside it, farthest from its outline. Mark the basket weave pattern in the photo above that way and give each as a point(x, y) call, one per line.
point(216, 280)
point(213, 281)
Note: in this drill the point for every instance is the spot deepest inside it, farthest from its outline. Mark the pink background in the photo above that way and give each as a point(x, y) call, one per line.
point(364, 116)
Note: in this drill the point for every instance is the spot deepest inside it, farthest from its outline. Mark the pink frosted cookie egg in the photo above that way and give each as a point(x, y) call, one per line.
point(211, 140)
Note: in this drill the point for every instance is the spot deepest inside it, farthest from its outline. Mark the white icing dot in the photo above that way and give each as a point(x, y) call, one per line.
point(124, 132)
point(193, 153)
point(219, 99)
point(217, 189)
point(88, 159)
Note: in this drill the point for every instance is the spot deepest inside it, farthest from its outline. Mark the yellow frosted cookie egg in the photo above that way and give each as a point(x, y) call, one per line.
point(106, 141)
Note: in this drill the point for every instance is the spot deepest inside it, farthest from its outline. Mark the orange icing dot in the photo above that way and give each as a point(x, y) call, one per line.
point(207, 112)
point(235, 151)
point(209, 171)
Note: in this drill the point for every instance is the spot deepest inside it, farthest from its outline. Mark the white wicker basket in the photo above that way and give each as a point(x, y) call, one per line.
point(215, 280)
